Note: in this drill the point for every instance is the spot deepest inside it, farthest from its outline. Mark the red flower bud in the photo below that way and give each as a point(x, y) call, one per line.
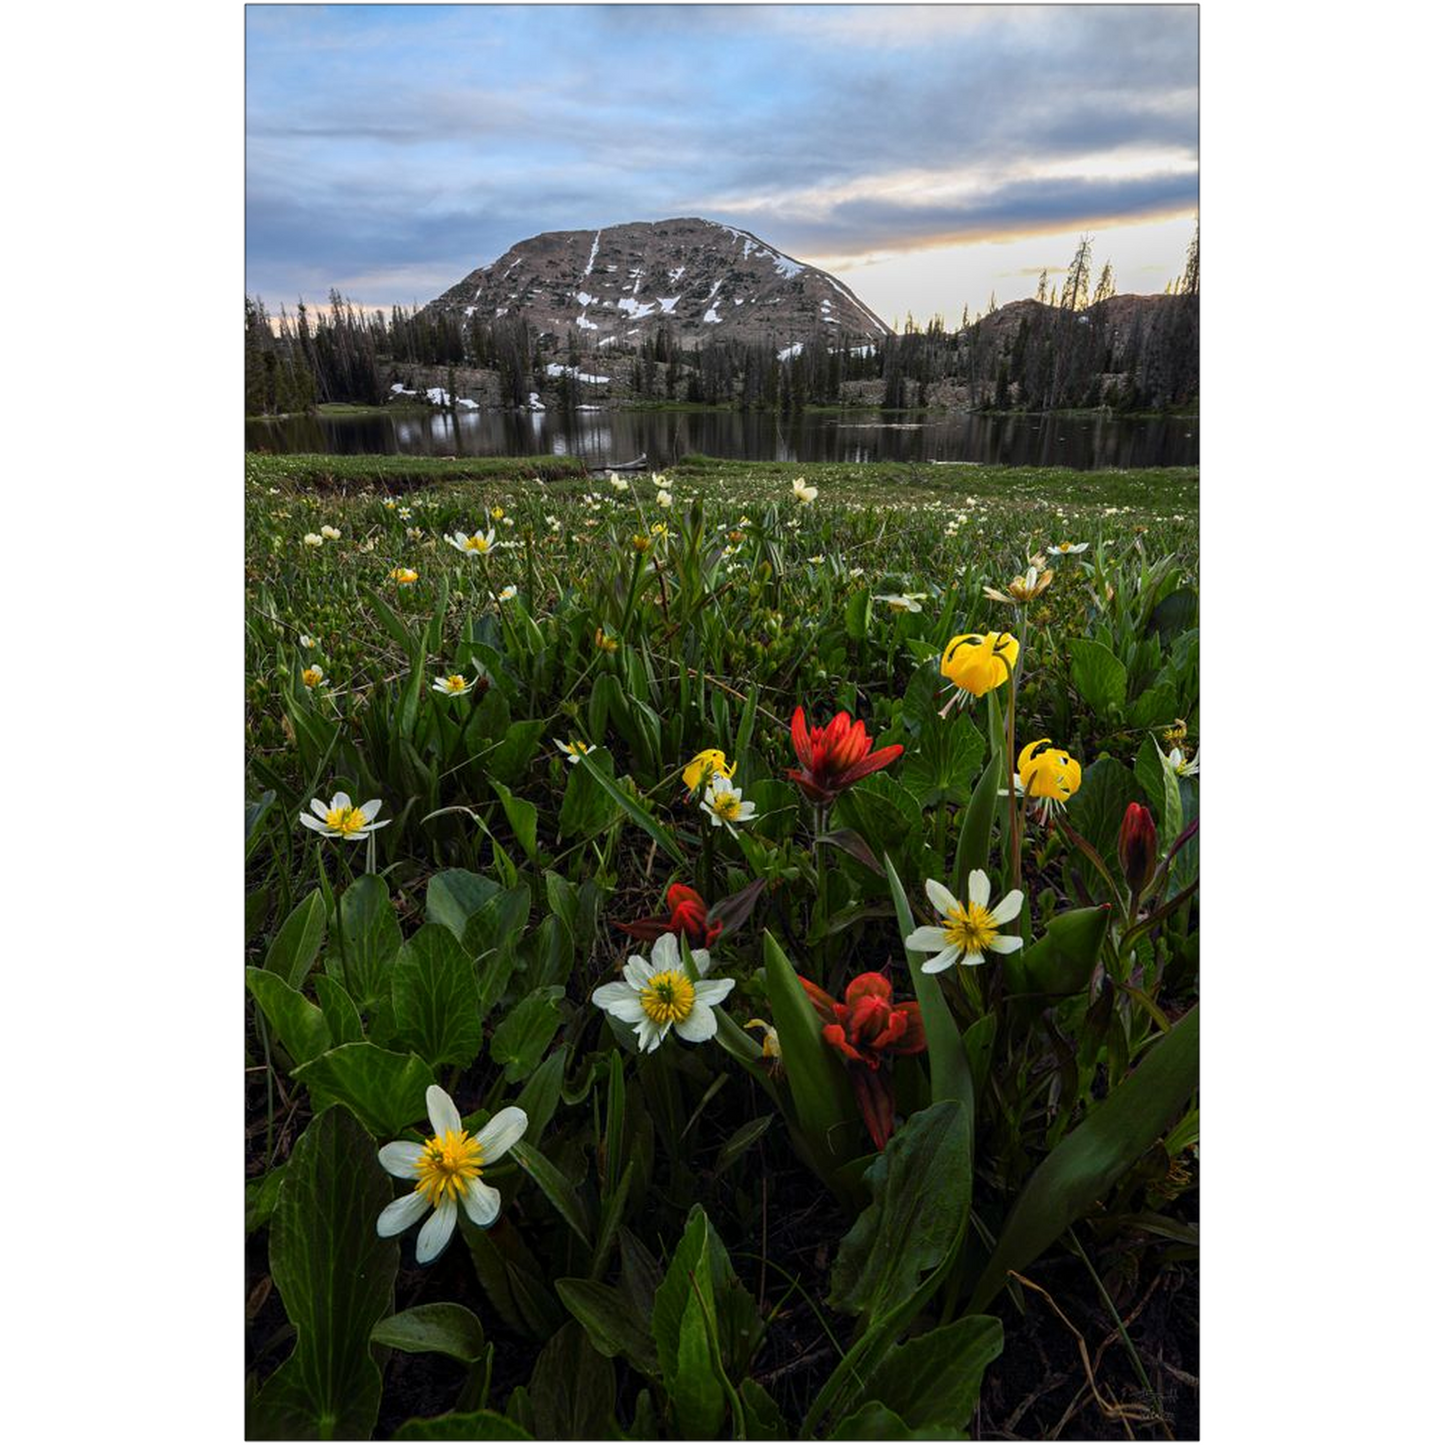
point(1138, 846)
point(688, 916)
point(835, 756)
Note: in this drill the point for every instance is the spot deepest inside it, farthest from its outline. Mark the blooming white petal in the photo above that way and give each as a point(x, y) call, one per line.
point(436, 1232)
point(978, 887)
point(482, 1203)
point(401, 1214)
point(399, 1159)
point(699, 1025)
point(1008, 906)
point(967, 930)
point(441, 1111)
point(500, 1132)
point(658, 994)
point(939, 896)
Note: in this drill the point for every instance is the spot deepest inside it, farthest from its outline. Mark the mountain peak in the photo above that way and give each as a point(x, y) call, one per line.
point(705, 279)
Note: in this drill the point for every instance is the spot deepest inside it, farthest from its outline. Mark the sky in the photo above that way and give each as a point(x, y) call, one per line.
point(928, 156)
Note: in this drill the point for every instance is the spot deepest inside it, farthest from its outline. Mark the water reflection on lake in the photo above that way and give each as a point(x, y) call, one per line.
point(603, 437)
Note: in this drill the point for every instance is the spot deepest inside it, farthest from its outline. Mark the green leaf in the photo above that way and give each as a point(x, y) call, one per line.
point(877, 1422)
point(335, 1277)
point(521, 817)
point(741, 1140)
point(434, 998)
point(295, 1020)
point(680, 1328)
point(975, 839)
point(1178, 611)
point(541, 1094)
point(367, 942)
point(1161, 783)
point(436, 1329)
point(630, 805)
point(261, 1197)
point(611, 1322)
point(884, 812)
point(1154, 706)
point(341, 1015)
point(386, 1091)
point(1097, 809)
point(522, 1037)
point(827, 1114)
point(939, 766)
point(553, 1183)
point(509, 759)
point(857, 614)
point(1092, 1158)
point(454, 895)
point(475, 1425)
point(1062, 961)
point(920, 1187)
point(933, 1380)
point(947, 1067)
point(573, 1388)
point(1100, 677)
point(297, 942)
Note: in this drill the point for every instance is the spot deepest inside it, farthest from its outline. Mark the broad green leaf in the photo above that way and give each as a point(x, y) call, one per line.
point(1100, 677)
point(295, 1020)
point(1091, 1159)
point(335, 1277)
point(522, 1037)
point(857, 614)
point(386, 1091)
point(975, 839)
point(823, 1102)
point(541, 1094)
point(507, 761)
point(454, 895)
point(434, 998)
point(1061, 961)
point(366, 943)
point(573, 1388)
point(1097, 809)
point(521, 817)
point(940, 765)
point(341, 1015)
point(933, 1380)
point(874, 1421)
point(741, 1140)
point(1179, 610)
point(680, 1329)
point(921, 1189)
point(1154, 706)
point(611, 1322)
point(474, 1425)
point(437, 1329)
point(947, 1067)
point(297, 942)
point(498, 921)
point(884, 812)
point(1161, 783)
point(587, 807)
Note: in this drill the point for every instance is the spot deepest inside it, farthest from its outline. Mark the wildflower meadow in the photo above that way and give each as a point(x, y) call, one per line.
point(722, 951)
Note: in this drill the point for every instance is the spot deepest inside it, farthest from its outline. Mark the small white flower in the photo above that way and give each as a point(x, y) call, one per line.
point(659, 480)
point(903, 602)
point(477, 545)
point(389, 504)
point(967, 929)
point(312, 676)
point(1064, 548)
point(1176, 763)
point(452, 685)
point(307, 641)
point(817, 562)
point(446, 1171)
point(724, 804)
point(340, 819)
point(803, 492)
point(312, 539)
point(619, 484)
point(506, 594)
point(664, 499)
point(404, 513)
point(574, 752)
point(658, 995)
point(331, 534)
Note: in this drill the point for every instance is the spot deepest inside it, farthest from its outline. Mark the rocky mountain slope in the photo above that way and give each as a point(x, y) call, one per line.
point(706, 281)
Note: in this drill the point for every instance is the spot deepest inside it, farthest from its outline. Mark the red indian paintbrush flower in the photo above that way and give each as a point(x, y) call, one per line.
point(688, 916)
point(867, 1028)
point(1138, 846)
point(836, 756)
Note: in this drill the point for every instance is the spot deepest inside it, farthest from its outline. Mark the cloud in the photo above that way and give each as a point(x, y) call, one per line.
point(394, 145)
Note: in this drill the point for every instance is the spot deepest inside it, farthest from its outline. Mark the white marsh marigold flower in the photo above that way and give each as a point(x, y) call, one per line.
point(658, 995)
point(967, 929)
point(803, 492)
point(342, 819)
point(477, 545)
point(725, 805)
point(446, 1171)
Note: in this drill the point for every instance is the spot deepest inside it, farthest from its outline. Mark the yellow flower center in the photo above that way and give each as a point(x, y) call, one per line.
point(447, 1164)
point(970, 927)
point(346, 820)
point(727, 805)
point(477, 544)
point(311, 676)
point(1066, 546)
point(456, 683)
point(668, 997)
point(578, 749)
